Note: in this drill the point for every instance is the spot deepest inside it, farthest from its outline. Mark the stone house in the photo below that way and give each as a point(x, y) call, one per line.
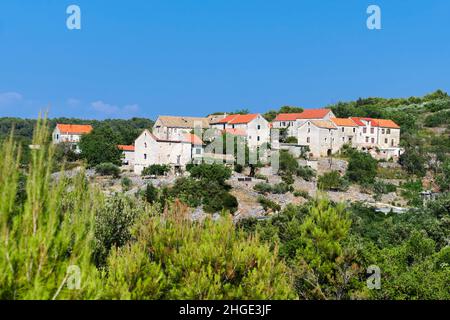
point(292, 121)
point(174, 128)
point(321, 136)
point(127, 155)
point(150, 150)
point(254, 127)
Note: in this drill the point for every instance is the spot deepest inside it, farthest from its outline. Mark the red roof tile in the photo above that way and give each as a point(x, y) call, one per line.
point(307, 114)
point(344, 122)
point(226, 119)
point(192, 138)
point(383, 123)
point(235, 132)
point(74, 128)
point(243, 118)
point(125, 148)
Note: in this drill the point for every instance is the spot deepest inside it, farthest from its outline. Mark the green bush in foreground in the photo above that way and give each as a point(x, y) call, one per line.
point(174, 258)
point(108, 169)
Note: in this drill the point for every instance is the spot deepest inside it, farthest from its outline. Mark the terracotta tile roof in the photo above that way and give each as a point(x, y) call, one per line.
point(325, 124)
point(125, 148)
point(344, 122)
point(307, 114)
point(183, 122)
point(74, 128)
point(243, 118)
point(192, 138)
point(226, 119)
point(235, 132)
point(384, 123)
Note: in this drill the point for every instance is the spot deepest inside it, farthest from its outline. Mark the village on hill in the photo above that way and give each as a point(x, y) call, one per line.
point(315, 138)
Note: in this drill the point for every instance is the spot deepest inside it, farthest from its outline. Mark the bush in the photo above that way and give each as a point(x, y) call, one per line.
point(362, 168)
point(238, 168)
point(306, 173)
point(302, 193)
point(288, 164)
point(261, 177)
point(126, 183)
point(212, 172)
point(279, 188)
point(332, 181)
point(287, 178)
point(174, 258)
point(151, 194)
point(413, 161)
point(269, 204)
point(381, 187)
point(156, 170)
point(262, 187)
point(108, 169)
point(291, 140)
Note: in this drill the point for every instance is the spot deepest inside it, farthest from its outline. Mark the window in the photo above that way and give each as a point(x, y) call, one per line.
point(198, 151)
point(392, 142)
point(343, 139)
point(259, 127)
point(145, 156)
point(354, 130)
point(342, 129)
point(309, 130)
point(373, 140)
point(325, 139)
point(364, 130)
point(388, 131)
point(308, 140)
point(283, 124)
point(145, 144)
point(383, 131)
point(232, 126)
point(367, 139)
point(386, 140)
point(259, 138)
point(372, 130)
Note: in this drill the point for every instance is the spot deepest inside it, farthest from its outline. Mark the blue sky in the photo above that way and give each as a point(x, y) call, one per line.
point(185, 57)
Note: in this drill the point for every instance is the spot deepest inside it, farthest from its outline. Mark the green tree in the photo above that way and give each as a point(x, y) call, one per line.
point(100, 146)
point(362, 168)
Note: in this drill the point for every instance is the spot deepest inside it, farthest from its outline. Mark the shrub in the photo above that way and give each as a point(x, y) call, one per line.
point(413, 161)
point(126, 183)
point(261, 177)
point(291, 140)
point(306, 173)
point(332, 181)
point(288, 164)
point(269, 204)
point(282, 188)
point(212, 172)
point(174, 258)
point(156, 169)
point(287, 178)
point(108, 169)
point(361, 168)
point(381, 187)
point(238, 168)
point(263, 187)
point(302, 193)
point(151, 194)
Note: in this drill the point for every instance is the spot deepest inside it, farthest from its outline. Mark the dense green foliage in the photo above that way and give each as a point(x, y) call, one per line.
point(362, 168)
point(107, 169)
point(156, 169)
point(332, 181)
point(100, 146)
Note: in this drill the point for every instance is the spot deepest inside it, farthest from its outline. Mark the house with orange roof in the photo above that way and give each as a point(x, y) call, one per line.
point(254, 127)
point(177, 153)
point(320, 136)
point(70, 133)
point(292, 121)
point(127, 154)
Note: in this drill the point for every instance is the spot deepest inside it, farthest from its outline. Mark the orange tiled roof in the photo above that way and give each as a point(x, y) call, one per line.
point(384, 123)
point(227, 119)
point(307, 114)
point(125, 148)
point(192, 138)
point(344, 122)
point(242, 118)
point(74, 128)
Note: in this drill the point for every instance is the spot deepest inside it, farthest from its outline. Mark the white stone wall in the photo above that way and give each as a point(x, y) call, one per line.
point(128, 157)
point(149, 151)
point(258, 131)
point(319, 140)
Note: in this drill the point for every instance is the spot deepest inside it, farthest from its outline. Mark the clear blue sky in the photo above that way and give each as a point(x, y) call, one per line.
point(186, 57)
